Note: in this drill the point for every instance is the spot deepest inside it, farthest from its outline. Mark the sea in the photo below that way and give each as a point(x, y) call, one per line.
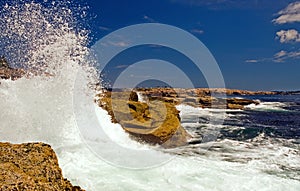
point(257, 148)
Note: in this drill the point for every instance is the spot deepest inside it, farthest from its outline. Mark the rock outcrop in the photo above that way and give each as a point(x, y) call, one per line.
point(155, 122)
point(31, 167)
point(201, 97)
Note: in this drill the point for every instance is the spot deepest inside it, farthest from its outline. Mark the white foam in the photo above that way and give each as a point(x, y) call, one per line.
point(115, 132)
point(141, 97)
point(267, 106)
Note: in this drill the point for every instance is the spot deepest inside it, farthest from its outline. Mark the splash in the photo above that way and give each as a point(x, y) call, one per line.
point(42, 37)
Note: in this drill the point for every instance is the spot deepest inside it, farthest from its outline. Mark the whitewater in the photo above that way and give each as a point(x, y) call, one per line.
point(41, 108)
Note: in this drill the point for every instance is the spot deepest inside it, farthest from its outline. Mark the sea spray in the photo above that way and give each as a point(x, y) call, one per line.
point(41, 37)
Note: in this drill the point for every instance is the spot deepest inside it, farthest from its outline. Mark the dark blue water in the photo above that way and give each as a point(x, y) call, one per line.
point(280, 118)
point(264, 136)
point(277, 116)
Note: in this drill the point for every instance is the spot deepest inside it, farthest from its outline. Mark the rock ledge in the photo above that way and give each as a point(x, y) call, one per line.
point(31, 166)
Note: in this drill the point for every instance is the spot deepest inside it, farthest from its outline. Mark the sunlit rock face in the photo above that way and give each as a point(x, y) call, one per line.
point(31, 166)
point(154, 122)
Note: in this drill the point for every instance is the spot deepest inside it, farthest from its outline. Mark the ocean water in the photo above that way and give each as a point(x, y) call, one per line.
point(256, 149)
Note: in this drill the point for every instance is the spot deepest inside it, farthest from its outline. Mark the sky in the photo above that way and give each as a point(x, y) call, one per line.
point(256, 43)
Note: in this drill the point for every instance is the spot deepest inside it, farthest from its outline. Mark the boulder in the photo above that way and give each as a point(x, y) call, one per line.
point(31, 167)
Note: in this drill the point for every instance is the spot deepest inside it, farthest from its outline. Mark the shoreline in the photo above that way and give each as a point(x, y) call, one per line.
point(227, 91)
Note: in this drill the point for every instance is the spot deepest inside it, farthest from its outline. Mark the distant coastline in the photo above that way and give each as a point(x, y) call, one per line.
point(228, 91)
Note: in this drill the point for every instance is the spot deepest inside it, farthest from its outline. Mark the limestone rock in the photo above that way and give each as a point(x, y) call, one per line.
point(32, 167)
point(155, 122)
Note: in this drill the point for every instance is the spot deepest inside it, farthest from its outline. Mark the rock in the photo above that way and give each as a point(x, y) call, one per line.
point(234, 106)
point(206, 101)
point(7, 72)
point(10, 73)
point(242, 102)
point(32, 166)
point(158, 121)
point(165, 99)
point(155, 122)
point(3, 63)
point(133, 96)
point(201, 97)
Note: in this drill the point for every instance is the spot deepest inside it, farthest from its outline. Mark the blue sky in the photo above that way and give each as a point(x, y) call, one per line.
point(255, 42)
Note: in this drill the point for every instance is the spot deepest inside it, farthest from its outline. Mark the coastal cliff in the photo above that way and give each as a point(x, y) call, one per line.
point(32, 167)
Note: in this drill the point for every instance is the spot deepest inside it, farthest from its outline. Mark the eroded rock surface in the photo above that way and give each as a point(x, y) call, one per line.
point(154, 122)
point(31, 167)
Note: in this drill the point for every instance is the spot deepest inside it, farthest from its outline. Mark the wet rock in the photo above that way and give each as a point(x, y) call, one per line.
point(7, 72)
point(133, 96)
point(11, 73)
point(155, 122)
point(243, 102)
point(234, 106)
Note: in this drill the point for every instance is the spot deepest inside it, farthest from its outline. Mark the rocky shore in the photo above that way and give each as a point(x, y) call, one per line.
point(32, 167)
point(155, 120)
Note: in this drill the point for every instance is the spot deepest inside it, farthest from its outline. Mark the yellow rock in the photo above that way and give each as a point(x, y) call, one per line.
point(155, 122)
point(31, 167)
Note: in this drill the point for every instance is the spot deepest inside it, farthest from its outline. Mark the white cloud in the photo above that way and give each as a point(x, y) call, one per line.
point(102, 28)
point(197, 31)
point(280, 54)
point(149, 19)
point(290, 14)
point(119, 44)
point(115, 44)
point(291, 35)
point(294, 54)
point(121, 66)
point(252, 61)
point(283, 55)
point(280, 57)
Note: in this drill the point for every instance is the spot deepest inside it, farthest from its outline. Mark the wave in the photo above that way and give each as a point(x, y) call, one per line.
point(267, 106)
